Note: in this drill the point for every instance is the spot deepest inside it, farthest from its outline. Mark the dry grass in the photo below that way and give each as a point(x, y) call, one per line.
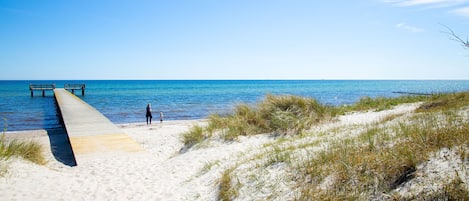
point(193, 136)
point(27, 150)
point(383, 157)
point(227, 191)
point(279, 115)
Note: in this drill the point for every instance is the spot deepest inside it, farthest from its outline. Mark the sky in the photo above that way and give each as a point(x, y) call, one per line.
point(232, 39)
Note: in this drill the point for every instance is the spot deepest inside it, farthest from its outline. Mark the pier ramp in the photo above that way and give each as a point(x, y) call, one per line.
point(90, 131)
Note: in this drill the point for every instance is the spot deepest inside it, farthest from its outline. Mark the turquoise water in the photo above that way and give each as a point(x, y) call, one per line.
point(125, 101)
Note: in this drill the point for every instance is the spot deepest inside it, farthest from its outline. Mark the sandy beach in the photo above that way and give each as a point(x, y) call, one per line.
point(158, 173)
point(161, 171)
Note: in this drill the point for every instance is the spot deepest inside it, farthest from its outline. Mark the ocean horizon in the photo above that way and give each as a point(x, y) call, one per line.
point(124, 101)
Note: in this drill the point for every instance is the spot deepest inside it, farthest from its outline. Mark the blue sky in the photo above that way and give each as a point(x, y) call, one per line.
point(233, 39)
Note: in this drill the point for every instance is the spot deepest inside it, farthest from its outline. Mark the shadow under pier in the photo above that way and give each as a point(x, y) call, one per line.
point(60, 146)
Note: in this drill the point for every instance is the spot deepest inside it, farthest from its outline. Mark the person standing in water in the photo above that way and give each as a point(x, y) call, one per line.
point(148, 115)
point(161, 117)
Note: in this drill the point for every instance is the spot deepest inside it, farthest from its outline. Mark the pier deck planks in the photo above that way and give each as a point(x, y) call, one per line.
point(90, 131)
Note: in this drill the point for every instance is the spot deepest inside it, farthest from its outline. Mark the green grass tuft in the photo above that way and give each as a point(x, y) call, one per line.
point(275, 114)
point(227, 191)
point(193, 136)
point(27, 150)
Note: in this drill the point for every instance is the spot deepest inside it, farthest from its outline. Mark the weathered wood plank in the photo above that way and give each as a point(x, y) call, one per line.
point(90, 131)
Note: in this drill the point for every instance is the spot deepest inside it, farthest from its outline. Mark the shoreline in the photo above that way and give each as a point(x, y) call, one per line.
point(43, 132)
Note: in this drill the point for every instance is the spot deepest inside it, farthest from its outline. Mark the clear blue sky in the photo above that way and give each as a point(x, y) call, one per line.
point(233, 39)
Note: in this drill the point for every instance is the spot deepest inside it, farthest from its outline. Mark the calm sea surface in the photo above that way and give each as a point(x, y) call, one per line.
point(125, 101)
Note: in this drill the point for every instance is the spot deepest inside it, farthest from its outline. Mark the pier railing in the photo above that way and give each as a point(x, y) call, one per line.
point(41, 87)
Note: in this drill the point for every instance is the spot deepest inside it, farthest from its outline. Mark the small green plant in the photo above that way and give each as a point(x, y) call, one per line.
point(27, 150)
point(193, 136)
point(227, 191)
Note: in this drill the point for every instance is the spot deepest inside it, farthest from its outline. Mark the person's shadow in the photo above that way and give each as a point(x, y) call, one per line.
point(60, 146)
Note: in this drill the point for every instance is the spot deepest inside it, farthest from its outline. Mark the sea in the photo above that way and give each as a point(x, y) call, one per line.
point(124, 101)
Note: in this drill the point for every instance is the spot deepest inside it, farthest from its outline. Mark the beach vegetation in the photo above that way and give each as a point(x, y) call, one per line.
point(228, 190)
point(375, 162)
point(195, 135)
point(278, 115)
point(383, 103)
point(28, 150)
point(208, 166)
point(284, 115)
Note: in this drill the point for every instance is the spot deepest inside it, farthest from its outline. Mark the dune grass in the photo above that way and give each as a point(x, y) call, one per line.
point(227, 191)
point(278, 115)
point(381, 158)
point(284, 115)
point(384, 103)
point(370, 165)
point(28, 150)
point(384, 157)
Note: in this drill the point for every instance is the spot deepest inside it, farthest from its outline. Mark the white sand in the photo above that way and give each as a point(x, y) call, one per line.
point(161, 172)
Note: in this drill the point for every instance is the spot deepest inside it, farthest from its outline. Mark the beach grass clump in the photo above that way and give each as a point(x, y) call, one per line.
point(28, 150)
point(195, 135)
point(275, 114)
point(278, 115)
point(227, 190)
point(374, 162)
point(442, 102)
point(384, 103)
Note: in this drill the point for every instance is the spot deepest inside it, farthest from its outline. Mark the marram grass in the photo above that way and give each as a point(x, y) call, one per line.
point(372, 165)
point(278, 115)
point(28, 150)
point(377, 163)
point(286, 115)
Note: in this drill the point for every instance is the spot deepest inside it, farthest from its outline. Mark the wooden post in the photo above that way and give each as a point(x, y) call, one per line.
point(32, 93)
point(43, 92)
point(73, 91)
point(83, 90)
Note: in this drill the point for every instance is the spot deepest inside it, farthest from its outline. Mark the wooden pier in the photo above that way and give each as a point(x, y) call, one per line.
point(41, 87)
point(90, 131)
